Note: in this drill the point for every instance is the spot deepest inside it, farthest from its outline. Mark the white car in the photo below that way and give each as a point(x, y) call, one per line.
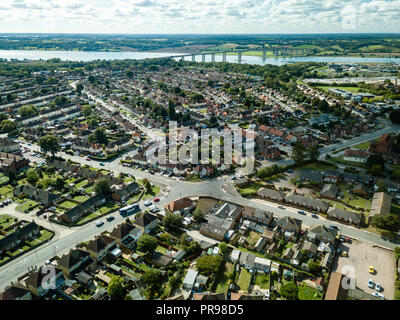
point(99, 223)
point(147, 203)
point(370, 283)
point(154, 209)
point(379, 295)
point(378, 287)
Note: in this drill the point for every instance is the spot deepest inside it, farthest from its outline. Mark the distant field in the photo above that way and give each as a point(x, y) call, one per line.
point(350, 89)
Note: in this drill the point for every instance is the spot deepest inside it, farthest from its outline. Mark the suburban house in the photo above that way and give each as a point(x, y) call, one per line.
point(39, 283)
point(344, 216)
point(262, 264)
point(246, 260)
point(356, 156)
point(213, 231)
point(329, 191)
point(126, 235)
point(289, 227)
point(270, 194)
point(12, 163)
point(147, 222)
point(74, 261)
point(17, 237)
point(361, 190)
point(258, 215)
point(82, 209)
point(181, 205)
point(123, 192)
point(43, 196)
point(9, 145)
point(322, 233)
point(308, 203)
point(229, 211)
point(190, 279)
point(99, 247)
point(16, 292)
point(310, 248)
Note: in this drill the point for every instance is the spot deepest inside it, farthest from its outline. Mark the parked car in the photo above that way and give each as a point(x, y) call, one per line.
point(154, 209)
point(370, 284)
point(110, 218)
point(87, 159)
point(282, 207)
point(315, 216)
point(371, 269)
point(333, 227)
point(156, 199)
point(102, 164)
point(344, 254)
point(147, 203)
point(99, 223)
point(301, 212)
point(378, 287)
point(379, 295)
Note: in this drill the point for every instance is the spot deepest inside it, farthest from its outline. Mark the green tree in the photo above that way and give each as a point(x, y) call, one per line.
point(79, 88)
point(100, 136)
point(147, 243)
point(129, 74)
point(289, 291)
point(87, 110)
point(208, 264)
point(314, 267)
point(171, 220)
point(102, 186)
point(389, 222)
point(32, 176)
point(28, 110)
point(115, 289)
point(171, 110)
point(298, 153)
point(49, 143)
point(313, 153)
point(198, 216)
point(395, 116)
point(8, 126)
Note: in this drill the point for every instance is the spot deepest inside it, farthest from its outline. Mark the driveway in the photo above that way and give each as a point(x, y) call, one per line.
point(361, 256)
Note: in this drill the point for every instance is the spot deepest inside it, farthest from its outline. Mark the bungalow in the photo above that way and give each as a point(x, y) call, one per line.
point(356, 156)
point(270, 194)
point(147, 222)
point(184, 204)
point(349, 217)
point(73, 261)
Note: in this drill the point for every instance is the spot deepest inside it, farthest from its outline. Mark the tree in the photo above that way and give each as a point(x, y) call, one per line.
point(87, 110)
point(389, 222)
point(100, 136)
point(171, 220)
point(8, 126)
point(395, 116)
point(147, 243)
point(129, 74)
point(49, 143)
point(313, 153)
point(376, 170)
point(208, 264)
point(289, 291)
point(314, 267)
point(375, 159)
point(102, 186)
point(298, 153)
point(32, 176)
point(147, 185)
point(382, 186)
point(79, 88)
point(223, 248)
point(115, 289)
point(28, 110)
point(198, 216)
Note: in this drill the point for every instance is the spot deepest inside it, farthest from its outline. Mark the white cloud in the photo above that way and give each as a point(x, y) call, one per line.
point(198, 16)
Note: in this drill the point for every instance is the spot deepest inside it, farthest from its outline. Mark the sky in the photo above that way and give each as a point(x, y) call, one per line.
point(199, 16)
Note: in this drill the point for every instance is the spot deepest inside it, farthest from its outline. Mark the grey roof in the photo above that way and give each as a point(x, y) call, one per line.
point(18, 234)
point(229, 210)
point(289, 223)
point(309, 246)
point(344, 215)
point(190, 277)
point(311, 175)
point(271, 194)
point(302, 201)
point(323, 232)
point(329, 190)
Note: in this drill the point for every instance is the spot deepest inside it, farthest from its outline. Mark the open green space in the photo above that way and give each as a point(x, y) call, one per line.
point(308, 293)
point(244, 279)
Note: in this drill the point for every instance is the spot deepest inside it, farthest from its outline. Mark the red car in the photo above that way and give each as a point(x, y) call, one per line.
point(87, 159)
point(156, 199)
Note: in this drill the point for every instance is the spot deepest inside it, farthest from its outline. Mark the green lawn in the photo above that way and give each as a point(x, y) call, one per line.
point(223, 280)
point(151, 193)
point(319, 166)
point(262, 280)
point(6, 221)
point(108, 207)
point(308, 293)
point(68, 204)
point(6, 190)
point(82, 184)
point(244, 279)
point(251, 189)
point(28, 204)
point(81, 198)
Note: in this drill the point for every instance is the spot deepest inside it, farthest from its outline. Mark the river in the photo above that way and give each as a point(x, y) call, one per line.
point(93, 55)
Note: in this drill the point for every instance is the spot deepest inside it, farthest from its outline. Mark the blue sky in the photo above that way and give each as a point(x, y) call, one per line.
point(199, 16)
